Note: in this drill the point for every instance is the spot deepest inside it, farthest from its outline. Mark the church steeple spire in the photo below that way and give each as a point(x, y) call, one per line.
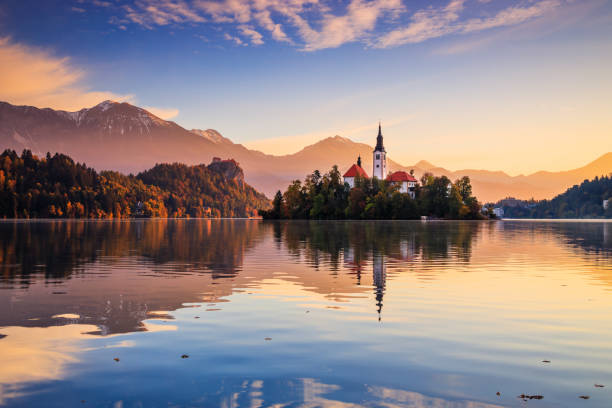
point(379, 140)
point(359, 161)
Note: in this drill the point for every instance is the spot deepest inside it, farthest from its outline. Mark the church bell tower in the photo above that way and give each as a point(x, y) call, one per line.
point(379, 156)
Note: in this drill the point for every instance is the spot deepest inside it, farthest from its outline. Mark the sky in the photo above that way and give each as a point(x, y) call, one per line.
point(511, 85)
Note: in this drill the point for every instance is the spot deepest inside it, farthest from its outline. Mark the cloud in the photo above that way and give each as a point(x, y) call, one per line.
point(434, 23)
point(320, 24)
point(236, 40)
point(264, 19)
point(247, 31)
point(149, 13)
point(33, 76)
point(163, 113)
point(511, 16)
point(425, 24)
point(360, 19)
point(226, 11)
point(100, 3)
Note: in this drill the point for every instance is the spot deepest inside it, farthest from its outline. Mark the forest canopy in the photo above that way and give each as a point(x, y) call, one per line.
point(585, 200)
point(58, 187)
point(326, 196)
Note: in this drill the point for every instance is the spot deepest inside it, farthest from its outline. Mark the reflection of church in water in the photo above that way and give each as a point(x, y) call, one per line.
point(379, 274)
point(404, 251)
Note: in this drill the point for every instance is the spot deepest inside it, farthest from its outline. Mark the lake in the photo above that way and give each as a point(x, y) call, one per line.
point(247, 313)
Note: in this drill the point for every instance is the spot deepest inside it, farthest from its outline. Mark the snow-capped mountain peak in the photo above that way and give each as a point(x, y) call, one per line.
point(106, 105)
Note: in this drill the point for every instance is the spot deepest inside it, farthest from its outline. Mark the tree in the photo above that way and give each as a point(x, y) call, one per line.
point(464, 188)
point(277, 205)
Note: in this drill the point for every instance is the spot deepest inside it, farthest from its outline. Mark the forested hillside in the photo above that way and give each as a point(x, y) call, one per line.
point(581, 201)
point(58, 187)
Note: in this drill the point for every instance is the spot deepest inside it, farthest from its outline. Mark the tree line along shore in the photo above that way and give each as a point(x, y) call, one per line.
point(326, 196)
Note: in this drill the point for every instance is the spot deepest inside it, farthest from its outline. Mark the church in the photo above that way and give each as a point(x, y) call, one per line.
point(407, 183)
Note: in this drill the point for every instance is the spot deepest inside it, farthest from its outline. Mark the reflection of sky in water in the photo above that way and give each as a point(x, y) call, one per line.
point(367, 314)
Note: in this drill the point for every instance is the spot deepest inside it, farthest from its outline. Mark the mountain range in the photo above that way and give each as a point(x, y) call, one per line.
point(126, 138)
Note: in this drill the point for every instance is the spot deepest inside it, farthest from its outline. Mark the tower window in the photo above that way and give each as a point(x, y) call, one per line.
point(377, 156)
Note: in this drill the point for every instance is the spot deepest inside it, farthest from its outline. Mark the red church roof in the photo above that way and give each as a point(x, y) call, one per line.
point(400, 176)
point(355, 171)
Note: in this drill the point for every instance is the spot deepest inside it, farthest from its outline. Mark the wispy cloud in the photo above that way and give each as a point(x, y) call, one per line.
point(33, 76)
point(511, 16)
point(319, 24)
point(433, 23)
point(149, 13)
point(425, 24)
point(164, 113)
point(236, 40)
point(255, 37)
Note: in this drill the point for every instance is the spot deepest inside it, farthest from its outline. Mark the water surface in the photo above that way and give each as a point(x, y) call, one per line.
point(233, 313)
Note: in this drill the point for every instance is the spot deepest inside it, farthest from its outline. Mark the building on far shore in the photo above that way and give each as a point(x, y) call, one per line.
point(606, 204)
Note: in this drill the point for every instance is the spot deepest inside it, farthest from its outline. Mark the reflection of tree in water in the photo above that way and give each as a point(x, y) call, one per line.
point(315, 240)
point(590, 236)
point(59, 250)
point(44, 257)
point(359, 244)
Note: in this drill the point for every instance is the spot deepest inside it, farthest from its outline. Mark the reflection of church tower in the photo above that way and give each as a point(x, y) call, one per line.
point(379, 278)
point(379, 156)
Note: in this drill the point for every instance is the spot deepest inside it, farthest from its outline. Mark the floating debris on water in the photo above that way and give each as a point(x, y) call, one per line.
point(546, 361)
point(596, 385)
point(197, 317)
point(268, 338)
point(526, 397)
point(497, 393)
point(584, 397)
point(116, 359)
point(184, 356)
point(2, 336)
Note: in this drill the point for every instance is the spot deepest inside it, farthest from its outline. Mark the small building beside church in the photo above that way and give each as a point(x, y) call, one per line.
point(407, 183)
point(355, 171)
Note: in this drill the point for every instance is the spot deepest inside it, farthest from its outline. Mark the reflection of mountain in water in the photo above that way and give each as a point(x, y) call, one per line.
point(106, 272)
point(113, 274)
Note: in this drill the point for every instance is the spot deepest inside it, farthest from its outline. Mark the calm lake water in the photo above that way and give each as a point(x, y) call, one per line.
point(246, 313)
